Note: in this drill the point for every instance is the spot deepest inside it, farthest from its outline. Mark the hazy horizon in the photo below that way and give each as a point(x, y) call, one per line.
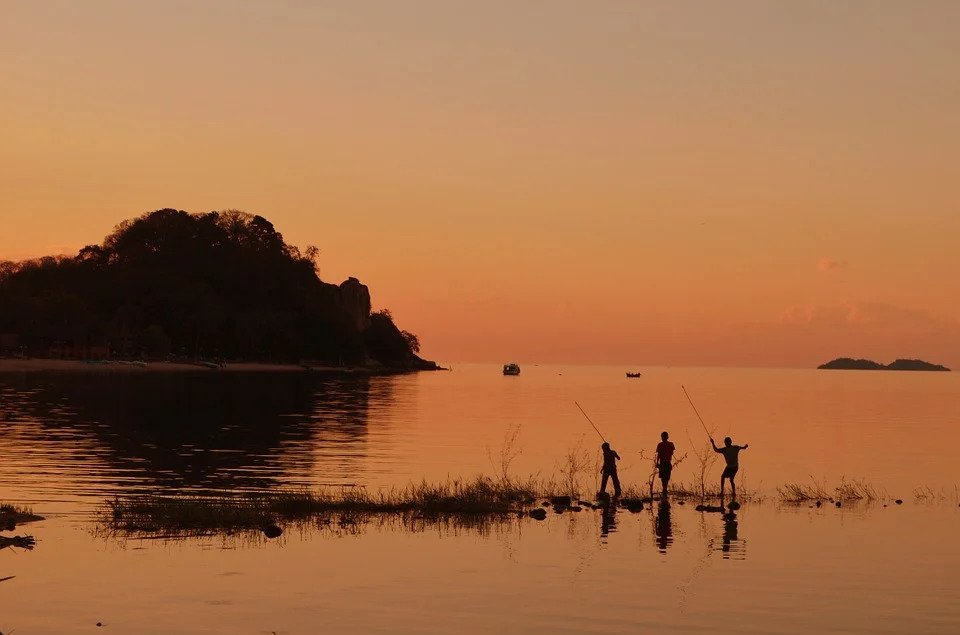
point(743, 184)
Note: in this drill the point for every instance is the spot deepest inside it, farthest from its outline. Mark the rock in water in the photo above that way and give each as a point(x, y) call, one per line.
point(819, 503)
point(538, 514)
point(898, 501)
point(633, 505)
point(837, 503)
point(271, 531)
point(700, 508)
point(560, 501)
point(734, 505)
point(576, 508)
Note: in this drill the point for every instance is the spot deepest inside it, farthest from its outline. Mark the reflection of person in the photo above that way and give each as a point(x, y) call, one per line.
point(729, 531)
point(608, 519)
point(662, 526)
point(664, 461)
point(731, 453)
point(609, 470)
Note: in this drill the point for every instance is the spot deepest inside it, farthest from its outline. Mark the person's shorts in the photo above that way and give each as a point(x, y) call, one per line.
point(730, 472)
point(665, 471)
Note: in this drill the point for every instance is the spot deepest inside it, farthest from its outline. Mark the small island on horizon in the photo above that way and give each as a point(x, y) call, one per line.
point(848, 363)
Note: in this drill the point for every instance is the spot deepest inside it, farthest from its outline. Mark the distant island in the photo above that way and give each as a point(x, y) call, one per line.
point(846, 363)
point(180, 287)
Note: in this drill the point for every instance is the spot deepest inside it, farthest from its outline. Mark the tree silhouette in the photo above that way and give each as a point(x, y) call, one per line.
point(219, 284)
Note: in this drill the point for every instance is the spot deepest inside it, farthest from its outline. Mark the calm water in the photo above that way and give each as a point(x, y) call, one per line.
point(68, 442)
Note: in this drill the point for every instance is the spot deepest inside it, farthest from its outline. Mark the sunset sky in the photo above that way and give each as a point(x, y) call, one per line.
point(736, 183)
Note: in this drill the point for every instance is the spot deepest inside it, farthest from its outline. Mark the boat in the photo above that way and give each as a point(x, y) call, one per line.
point(632, 375)
point(511, 369)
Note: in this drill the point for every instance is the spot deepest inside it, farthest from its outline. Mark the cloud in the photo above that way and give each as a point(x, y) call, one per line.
point(807, 335)
point(875, 315)
point(829, 264)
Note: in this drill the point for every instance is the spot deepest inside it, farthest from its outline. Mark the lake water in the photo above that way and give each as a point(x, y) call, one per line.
point(68, 442)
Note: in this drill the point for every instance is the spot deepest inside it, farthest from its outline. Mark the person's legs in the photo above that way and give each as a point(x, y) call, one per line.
point(616, 483)
point(722, 479)
point(603, 483)
point(733, 490)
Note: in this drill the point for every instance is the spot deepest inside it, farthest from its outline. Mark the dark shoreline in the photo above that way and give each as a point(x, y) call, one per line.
point(67, 366)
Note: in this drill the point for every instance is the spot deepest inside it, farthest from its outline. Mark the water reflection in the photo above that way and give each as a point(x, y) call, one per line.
point(608, 518)
point(93, 434)
point(663, 527)
point(732, 545)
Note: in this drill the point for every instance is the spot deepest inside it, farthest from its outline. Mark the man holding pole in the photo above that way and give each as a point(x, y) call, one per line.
point(609, 470)
point(731, 453)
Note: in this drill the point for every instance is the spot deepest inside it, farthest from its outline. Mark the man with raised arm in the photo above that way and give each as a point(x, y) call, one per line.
point(731, 453)
point(664, 462)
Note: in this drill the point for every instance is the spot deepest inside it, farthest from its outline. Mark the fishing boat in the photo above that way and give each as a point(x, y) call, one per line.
point(632, 375)
point(511, 369)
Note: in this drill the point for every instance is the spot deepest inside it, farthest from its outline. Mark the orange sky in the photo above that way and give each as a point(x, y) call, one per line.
point(671, 183)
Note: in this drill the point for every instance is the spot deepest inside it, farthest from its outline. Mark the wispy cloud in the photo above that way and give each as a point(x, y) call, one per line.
point(829, 264)
point(866, 314)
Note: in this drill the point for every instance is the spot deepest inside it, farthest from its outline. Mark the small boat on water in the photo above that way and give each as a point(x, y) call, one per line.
point(632, 375)
point(511, 369)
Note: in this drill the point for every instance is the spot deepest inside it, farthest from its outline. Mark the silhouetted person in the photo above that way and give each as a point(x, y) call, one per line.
point(663, 527)
point(609, 470)
point(664, 462)
point(731, 453)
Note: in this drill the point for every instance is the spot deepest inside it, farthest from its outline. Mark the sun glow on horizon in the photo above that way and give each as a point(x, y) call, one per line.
point(698, 184)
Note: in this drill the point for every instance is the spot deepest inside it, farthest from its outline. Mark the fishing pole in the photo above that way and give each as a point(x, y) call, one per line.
point(591, 422)
point(696, 411)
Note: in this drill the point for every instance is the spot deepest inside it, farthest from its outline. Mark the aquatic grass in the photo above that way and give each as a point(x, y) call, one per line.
point(680, 490)
point(926, 494)
point(509, 451)
point(479, 496)
point(706, 458)
point(802, 492)
point(12, 515)
point(852, 490)
point(6, 508)
point(857, 489)
point(576, 463)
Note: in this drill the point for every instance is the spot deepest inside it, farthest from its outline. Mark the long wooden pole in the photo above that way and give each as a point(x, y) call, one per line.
point(687, 395)
point(591, 422)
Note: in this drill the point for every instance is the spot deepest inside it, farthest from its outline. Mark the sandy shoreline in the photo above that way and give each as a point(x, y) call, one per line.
point(79, 366)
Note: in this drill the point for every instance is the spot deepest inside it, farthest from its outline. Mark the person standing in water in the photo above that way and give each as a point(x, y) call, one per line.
point(731, 453)
point(664, 462)
point(609, 470)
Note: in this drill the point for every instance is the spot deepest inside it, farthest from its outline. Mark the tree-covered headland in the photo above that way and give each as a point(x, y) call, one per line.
point(220, 285)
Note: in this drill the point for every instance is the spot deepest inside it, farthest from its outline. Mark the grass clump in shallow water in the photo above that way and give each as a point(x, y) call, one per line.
point(802, 492)
point(15, 515)
point(481, 495)
point(853, 490)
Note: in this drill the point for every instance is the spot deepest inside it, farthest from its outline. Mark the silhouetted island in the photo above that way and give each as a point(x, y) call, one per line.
point(171, 285)
point(846, 363)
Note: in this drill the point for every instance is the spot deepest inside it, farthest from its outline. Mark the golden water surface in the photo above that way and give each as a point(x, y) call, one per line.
point(67, 442)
